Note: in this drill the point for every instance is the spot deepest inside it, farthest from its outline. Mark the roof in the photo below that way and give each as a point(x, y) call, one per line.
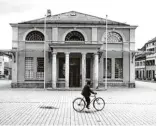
point(73, 17)
point(150, 41)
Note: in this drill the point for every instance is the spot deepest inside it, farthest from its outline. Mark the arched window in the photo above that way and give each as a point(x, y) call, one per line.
point(74, 36)
point(35, 36)
point(114, 37)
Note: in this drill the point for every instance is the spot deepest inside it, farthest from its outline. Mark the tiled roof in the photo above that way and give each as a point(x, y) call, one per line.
point(152, 40)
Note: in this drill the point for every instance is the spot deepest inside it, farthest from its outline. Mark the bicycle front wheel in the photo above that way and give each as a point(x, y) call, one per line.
point(78, 104)
point(99, 104)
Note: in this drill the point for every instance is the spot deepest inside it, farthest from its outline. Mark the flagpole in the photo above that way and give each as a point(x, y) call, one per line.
point(106, 57)
point(45, 52)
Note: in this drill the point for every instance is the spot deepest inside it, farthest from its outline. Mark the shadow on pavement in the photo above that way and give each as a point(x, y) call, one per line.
point(48, 107)
point(89, 111)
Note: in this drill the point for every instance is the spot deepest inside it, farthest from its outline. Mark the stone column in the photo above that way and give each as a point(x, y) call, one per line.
point(132, 56)
point(95, 74)
point(67, 70)
point(151, 74)
point(54, 70)
point(113, 68)
point(101, 69)
point(142, 74)
point(15, 44)
point(83, 69)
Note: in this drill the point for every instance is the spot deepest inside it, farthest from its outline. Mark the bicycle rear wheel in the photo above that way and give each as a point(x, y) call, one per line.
point(78, 104)
point(99, 104)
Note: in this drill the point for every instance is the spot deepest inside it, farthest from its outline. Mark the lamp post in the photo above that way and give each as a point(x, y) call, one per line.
point(45, 51)
point(106, 57)
point(47, 15)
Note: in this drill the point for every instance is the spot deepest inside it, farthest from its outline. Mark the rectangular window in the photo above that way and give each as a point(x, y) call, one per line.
point(0, 63)
point(119, 68)
point(61, 67)
point(28, 67)
point(140, 63)
point(109, 68)
point(144, 63)
point(40, 67)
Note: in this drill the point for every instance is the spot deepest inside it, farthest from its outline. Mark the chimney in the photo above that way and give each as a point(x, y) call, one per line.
point(48, 13)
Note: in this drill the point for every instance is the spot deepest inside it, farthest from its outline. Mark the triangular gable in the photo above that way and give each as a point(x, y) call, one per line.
point(74, 17)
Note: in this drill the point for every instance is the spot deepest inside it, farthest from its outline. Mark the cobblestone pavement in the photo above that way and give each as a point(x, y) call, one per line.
point(124, 106)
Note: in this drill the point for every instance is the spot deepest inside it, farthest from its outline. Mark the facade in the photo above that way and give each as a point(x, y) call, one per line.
point(145, 62)
point(1, 66)
point(75, 52)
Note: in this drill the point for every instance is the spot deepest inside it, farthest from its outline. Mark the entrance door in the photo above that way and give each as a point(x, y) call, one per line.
point(74, 72)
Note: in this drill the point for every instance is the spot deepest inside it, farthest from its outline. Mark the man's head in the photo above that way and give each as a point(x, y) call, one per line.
point(88, 82)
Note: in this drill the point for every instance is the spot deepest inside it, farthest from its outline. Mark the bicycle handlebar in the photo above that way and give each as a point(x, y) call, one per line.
point(94, 95)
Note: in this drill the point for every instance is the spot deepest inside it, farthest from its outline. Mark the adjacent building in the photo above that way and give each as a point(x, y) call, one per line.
point(1, 66)
point(5, 67)
point(75, 51)
point(145, 62)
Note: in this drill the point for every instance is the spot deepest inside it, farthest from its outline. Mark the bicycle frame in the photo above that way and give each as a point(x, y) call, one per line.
point(90, 100)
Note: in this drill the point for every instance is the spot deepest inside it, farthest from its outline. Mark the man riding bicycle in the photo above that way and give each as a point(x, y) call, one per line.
point(86, 92)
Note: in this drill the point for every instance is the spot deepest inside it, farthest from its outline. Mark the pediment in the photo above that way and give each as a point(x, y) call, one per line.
point(74, 17)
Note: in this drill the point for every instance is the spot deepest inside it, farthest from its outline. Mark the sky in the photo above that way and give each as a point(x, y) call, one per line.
point(133, 12)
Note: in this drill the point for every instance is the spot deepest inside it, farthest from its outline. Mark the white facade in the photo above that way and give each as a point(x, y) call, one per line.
point(75, 52)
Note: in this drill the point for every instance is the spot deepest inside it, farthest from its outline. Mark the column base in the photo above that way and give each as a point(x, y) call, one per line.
point(53, 85)
point(66, 87)
point(118, 84)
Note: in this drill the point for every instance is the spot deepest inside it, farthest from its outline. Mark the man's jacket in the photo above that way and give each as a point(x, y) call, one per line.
point(86, 92)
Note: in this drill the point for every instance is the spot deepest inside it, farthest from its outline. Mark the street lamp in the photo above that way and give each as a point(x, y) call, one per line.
point(106, 57)
point(47, 15)
point(45, 51)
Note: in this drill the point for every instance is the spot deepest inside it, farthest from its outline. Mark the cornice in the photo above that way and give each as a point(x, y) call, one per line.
point(71, 25)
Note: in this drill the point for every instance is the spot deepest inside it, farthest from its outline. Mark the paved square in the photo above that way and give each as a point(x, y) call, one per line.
point(124, 106)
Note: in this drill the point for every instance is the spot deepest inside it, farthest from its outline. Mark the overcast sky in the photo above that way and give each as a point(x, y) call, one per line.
point(133, 12)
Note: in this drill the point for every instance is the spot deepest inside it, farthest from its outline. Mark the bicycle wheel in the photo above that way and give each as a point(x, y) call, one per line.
point(78, 104)
point(99, 104)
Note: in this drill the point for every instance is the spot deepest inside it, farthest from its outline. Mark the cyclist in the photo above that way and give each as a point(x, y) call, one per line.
point(86, 92)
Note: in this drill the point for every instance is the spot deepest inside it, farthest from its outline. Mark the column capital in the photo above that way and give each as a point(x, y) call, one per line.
point(66, 53)
point(54, 53)
point(83, 53)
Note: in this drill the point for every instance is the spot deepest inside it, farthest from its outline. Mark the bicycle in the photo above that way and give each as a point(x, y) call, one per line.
point(79, 103)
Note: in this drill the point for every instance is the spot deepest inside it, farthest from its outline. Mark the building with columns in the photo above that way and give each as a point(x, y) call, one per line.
point(75, 52)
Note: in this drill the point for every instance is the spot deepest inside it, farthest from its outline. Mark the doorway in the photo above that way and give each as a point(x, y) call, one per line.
point(74, 72)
